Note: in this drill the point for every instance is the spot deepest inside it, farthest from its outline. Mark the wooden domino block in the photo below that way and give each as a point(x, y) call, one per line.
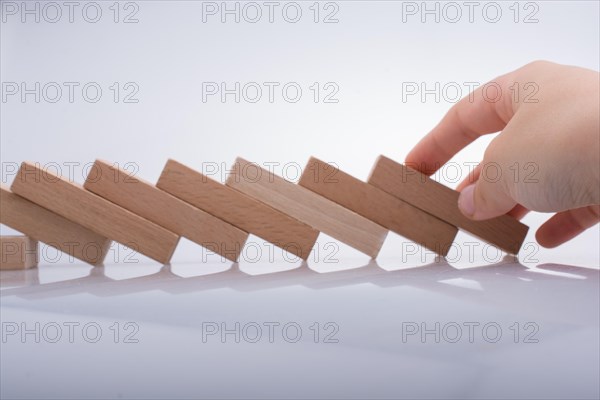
point(51, 228)
point(378, 206)
point(93, 212)
point(308, 207)
point(237, 209)
point(423, 192)
point(158, 206)
point(18, 252)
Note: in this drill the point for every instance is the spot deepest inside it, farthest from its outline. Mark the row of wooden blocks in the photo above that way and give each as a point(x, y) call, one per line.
point(111, 205)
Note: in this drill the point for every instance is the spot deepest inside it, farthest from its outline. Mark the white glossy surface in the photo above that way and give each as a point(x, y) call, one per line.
point(172, 306)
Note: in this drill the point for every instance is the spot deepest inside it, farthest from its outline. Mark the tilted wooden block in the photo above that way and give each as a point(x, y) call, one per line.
point(423, 192)
point(158, 206)
point(93, 212)
point(238, 209)
point(51, 228)
point(308, 207)
point(378, 206)
point(18, 252)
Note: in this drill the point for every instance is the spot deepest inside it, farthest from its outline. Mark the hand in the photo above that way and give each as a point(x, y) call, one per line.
point(557, 137)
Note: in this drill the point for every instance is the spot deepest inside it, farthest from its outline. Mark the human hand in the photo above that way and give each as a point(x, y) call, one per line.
point(557, 137)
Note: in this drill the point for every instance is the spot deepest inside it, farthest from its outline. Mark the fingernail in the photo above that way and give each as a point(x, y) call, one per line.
point(466, 201)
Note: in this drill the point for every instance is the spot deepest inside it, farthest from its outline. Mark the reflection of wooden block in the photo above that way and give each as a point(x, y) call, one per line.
point(18, 252)
point(238, 209)
point(423, 192)
point(51, 229)
point(95, 213)
point(160, 207)
point(308, 207)
point(378, 206)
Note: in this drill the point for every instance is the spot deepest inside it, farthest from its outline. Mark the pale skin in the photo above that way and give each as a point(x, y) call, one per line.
point(554, 142)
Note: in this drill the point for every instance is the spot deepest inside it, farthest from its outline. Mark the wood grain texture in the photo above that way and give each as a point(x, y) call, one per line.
point(308, 207)
point(158, 206)
point(238, 209)
point(378, 206)
point(423, 192)
point(18, 252)
point(52, 229)
point(93, 212)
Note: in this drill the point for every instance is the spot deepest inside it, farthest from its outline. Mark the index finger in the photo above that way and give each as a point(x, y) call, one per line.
point(473, 116)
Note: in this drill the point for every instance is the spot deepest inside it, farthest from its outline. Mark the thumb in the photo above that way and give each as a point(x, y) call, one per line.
point(485, 199)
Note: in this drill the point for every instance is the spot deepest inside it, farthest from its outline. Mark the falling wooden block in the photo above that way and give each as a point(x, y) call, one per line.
point(237, 209)
point(52, 229)
point(423, 192)
point(308, 207)
point(18, 252)
point(378, 206)
point(158, 206)
point(93, 212)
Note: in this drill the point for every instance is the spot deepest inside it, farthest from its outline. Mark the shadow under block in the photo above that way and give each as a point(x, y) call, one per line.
point(308, 207)
point(52, 229)
point(93, 212)
point(378, 206)
point(415, 188)
point(158, 206)
point(18, 252)
point(238, 209)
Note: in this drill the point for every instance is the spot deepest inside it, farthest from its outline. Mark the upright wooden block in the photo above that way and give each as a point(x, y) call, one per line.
point(308, 207)
point(423, 192)
point(18, 252)
point(52, 229)
point(158, 206)
point(378, 206)
point(93, 212)
point(238, 209)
